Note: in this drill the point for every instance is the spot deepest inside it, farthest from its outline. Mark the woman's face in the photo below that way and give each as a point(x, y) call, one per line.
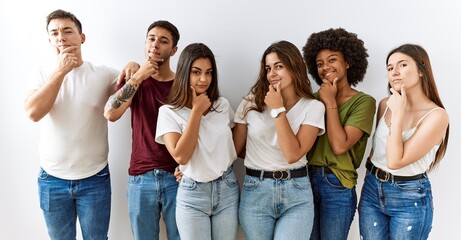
point(276, 72)
point(200, 75)
point(331, 65)
point(402, 70)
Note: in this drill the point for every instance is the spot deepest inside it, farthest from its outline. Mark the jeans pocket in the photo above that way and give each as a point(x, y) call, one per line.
point(301, 182)
point(42, 175)
point(44, 190)
point(333, 181)
point(250, 183)
point(187, 183)
point(103, 173)
point(230, 179)
point(367, 173)
point(414, 185)
point(133, 179)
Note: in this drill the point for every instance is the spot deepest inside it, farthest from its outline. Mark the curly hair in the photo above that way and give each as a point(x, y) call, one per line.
point(341, 40)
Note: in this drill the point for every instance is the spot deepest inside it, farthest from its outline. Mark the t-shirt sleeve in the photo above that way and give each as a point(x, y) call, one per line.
point(113, 76)
point(35, 80)
point(315, 116)
point(231, 116)
point(166, 123)
point(239, 114)
point(362, 114)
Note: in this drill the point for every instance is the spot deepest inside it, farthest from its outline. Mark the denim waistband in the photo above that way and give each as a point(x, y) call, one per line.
point(319, 169)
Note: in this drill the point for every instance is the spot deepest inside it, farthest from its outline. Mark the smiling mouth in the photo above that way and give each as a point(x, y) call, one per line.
point(328, 75)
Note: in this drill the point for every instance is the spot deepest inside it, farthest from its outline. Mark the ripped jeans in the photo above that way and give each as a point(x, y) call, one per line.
point(395, 209)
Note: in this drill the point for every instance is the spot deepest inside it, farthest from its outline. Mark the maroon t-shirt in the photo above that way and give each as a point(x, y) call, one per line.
point(146, 154)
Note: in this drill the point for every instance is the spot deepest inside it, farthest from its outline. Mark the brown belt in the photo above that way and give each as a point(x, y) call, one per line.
point(384, 176)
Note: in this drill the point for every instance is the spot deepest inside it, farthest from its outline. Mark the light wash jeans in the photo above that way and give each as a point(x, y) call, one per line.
point(150, 195)
point(334, 206)
point(276, 209)
point(62, 201)
point(395, 210)
point(206, 211)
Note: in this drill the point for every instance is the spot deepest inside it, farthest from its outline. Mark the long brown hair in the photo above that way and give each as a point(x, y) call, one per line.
point(180, 93)
point(420, 56)
point(292, 59)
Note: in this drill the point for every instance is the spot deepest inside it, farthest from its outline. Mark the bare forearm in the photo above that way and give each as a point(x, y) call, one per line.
point(287, 140)
point(239, 135)
point(187, 143)
point(337, 136)
point(40, 102)
point(394, 145)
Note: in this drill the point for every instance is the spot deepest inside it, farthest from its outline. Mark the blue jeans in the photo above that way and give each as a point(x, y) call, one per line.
point(206, 211)
point(276, 209)
point(149, 195)
point(334, 206)
point(395, 210)
point(62, 201)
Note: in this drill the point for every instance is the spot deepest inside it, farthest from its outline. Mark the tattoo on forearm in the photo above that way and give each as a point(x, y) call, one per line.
point(123, 94)
point(115, 103)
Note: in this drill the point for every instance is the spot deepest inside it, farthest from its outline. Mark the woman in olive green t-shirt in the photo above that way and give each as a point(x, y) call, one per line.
point(337, 60)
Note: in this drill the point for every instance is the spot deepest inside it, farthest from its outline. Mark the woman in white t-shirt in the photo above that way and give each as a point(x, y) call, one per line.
point(276, 125)
point(410, 138)
point(195, 125)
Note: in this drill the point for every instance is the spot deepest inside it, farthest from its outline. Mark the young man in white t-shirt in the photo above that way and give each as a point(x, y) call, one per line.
point(68, 101)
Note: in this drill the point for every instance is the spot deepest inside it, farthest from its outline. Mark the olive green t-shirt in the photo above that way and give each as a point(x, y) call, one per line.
point(359, 112)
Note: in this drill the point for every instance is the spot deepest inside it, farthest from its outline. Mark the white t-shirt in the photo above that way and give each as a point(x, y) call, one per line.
point(262, 149)
point(73, 135)
point(215, 150)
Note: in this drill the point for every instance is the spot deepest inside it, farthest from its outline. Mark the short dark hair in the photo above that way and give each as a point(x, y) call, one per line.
point(63, 14)
point(168, 26)
point(340, 40)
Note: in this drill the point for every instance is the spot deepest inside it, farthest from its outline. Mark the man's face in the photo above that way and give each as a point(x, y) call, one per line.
point(159, 44)
point(63, 33)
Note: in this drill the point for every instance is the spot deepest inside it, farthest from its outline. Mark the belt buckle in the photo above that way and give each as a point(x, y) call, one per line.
point(387, 175)
point(274, 175)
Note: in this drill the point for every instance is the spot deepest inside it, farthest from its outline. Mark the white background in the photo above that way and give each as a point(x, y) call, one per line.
point(238, 32)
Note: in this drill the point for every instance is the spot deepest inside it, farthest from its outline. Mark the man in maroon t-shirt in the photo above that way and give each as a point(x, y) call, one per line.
point(152, 186)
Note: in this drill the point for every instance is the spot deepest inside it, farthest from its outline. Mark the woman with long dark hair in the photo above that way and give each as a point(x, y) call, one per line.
point(410, 139)
point(276, 124)
point(195, 125)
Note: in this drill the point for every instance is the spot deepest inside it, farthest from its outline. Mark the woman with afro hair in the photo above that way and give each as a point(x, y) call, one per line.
point(337, 60)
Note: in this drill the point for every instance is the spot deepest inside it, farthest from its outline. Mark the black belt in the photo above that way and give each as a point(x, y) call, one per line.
point(384, 176)
point(278, 174)
point(318, 169)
